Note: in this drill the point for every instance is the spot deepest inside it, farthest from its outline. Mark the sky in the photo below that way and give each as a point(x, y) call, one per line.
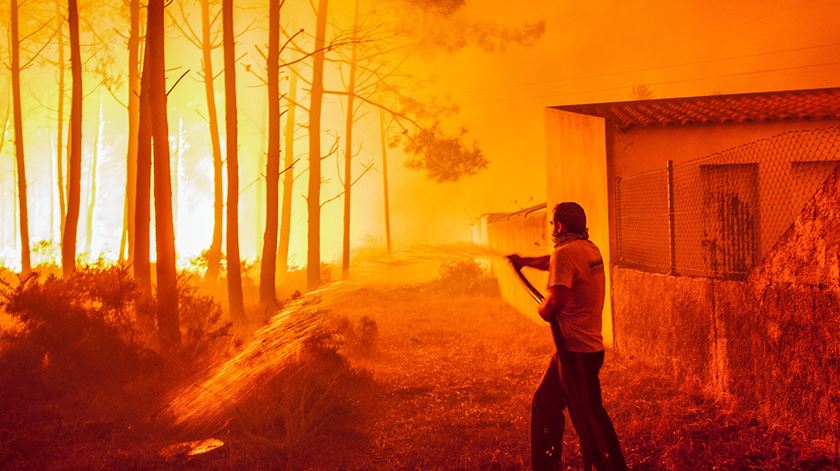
point(596, 51)
point(593, 51)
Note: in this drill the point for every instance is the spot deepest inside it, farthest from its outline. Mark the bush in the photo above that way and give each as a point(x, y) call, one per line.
point(204, 335)
point(78, 334)
point(316, 398)
point(360, 338)
point(465, 277)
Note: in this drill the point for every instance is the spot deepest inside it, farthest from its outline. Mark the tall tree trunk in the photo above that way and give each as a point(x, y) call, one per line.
point(74, 177)
point(288, 179)
point(25, 262)
point(52, 198)
point(92, 192)
point(139, 252)
point(176, 173)
point(235, 300)
point(59, 145)
point(348, 149)
point(313, 198)
point(167, 292)
point(214, 255)
point(384, 142)
point(268, 265)
point(3, 132)
point(259, 194)
point(129, 232)
point(15, 219)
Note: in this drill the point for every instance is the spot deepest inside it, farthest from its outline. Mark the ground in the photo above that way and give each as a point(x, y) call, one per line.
point(450, 382)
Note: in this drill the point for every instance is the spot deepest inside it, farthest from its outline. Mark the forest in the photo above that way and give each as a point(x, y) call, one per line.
point(306, 72)
point(143, 136)
point(209, 224)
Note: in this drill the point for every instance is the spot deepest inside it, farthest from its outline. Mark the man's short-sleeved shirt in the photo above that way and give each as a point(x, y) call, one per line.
point(578, 266)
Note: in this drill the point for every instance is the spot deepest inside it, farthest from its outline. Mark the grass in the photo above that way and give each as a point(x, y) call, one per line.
point(412, 377)
point(457, 373)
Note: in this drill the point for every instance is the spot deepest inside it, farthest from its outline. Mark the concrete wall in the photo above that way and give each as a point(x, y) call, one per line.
point(576, 170)
point(769, 344)
point(525, 233)
point(643, 149)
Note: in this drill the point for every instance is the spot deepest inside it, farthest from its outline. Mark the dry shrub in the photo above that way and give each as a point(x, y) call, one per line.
point(205, 336)
point(88, 334)
point(359, 338)
point(465, 277)
point(79, 334)
point(308, 407)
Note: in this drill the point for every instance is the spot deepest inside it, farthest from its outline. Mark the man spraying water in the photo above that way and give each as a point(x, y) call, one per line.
point(574, 303)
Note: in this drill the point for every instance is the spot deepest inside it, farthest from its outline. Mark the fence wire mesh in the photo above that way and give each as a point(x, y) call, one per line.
point(719, 215)
point(643, 222)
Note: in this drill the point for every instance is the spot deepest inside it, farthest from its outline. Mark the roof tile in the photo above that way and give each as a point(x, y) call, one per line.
point(791, 105)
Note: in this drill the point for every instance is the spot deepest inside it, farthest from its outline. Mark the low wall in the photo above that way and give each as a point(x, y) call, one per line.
point(524, 233)
point(768, 345)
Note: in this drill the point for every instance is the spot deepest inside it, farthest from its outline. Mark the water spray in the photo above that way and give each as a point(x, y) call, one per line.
point(276, 345)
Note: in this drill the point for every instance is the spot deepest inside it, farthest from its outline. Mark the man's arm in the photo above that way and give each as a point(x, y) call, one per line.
point(553, 304)
point(540, 263)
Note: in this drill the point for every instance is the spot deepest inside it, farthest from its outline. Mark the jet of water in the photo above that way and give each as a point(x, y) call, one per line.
point(275, 345)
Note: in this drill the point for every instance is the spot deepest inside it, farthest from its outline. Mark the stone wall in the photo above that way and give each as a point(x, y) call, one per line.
point(768, 345)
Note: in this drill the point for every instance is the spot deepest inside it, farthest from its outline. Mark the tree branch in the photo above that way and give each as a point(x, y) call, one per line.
point(340, 194)
point(177, 81)
point(257, 76)
point(37, 30)
point(332, 151)
point(114, 96)
point(31, 60)
point(290, 167)
point(190, 35)
point(291, 38)
point(203, 118)
point(306, 109)
point(378, 105)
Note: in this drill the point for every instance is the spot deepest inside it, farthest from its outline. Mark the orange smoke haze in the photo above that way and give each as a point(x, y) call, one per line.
point(588, 52)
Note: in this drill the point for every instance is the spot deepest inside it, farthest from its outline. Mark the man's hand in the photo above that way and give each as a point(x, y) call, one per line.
point(515, 260)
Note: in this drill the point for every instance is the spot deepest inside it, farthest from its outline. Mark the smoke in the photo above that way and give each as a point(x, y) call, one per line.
point(439, 7)
point(444, 25)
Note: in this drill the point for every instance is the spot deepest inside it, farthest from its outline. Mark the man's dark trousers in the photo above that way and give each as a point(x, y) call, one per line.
point(572, 380)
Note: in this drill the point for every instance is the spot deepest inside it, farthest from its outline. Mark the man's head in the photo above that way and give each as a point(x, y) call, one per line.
point(569, 223)
point(571, 216)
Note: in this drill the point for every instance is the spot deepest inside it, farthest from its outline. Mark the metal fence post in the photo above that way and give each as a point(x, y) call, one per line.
point(618, 219)
point(671, 230)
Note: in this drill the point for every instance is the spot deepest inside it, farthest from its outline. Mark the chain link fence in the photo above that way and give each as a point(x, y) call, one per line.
point(719, 215)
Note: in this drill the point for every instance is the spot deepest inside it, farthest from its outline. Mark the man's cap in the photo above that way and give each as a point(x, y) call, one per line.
point(571, 215)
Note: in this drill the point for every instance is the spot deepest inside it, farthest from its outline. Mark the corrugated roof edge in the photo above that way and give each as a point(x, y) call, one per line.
point(786, 105)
